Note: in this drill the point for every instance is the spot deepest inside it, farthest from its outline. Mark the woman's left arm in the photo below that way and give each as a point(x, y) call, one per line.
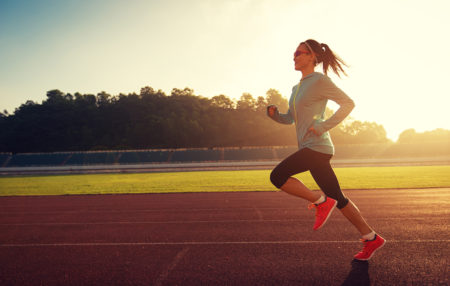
point(330, 91)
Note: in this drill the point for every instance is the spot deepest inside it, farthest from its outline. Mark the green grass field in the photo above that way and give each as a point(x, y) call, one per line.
point(219, 181)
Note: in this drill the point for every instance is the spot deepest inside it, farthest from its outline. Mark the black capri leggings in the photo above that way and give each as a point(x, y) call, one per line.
point(318, 164)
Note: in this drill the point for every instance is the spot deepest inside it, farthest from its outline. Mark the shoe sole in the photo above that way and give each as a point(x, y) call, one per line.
point(372, 252)
point(328, 216)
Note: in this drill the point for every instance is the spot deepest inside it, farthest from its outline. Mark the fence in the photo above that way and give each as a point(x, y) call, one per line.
point(274, 153)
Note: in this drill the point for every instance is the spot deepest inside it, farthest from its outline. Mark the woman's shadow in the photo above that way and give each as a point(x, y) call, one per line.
point(359, 275)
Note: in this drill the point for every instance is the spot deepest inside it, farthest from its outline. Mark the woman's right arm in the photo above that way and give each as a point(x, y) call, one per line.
point(272, 112)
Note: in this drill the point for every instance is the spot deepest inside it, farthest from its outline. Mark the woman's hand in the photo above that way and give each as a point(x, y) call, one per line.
point(271, 110)
point(314, 131)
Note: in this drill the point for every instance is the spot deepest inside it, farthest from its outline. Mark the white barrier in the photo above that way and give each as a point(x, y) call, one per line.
point(202, 166)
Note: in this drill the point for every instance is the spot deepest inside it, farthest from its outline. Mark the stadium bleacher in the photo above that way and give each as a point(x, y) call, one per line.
point(250, 154)
point(4, 158)
point(196, 155)
point(96, 158)
point(283, 152)
point(277, 153)
point(37, 159)
point(138, 157)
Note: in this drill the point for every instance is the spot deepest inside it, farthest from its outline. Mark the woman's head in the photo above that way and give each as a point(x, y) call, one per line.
point(312, 52)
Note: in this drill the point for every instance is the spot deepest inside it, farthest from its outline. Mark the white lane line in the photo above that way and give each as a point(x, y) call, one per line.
point(150, 210)
point(258, 212)
point(301, 209)
point(214, 243)
point(260, 219)
point(154, 222)
point(164, 274)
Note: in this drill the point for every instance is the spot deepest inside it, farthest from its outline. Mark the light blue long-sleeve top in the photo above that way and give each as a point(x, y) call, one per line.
point(307, 109)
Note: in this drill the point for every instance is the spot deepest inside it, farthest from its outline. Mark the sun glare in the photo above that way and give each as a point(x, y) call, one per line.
point(229, 48)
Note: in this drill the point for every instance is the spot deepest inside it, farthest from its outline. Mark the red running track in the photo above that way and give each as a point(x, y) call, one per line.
point(250, 238)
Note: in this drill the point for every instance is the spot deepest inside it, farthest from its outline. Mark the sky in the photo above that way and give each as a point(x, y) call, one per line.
point(398, 51)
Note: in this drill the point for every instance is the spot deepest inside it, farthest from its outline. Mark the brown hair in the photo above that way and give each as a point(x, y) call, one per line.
point(325, 56)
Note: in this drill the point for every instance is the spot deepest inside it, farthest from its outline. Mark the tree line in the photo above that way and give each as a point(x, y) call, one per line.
point(154, 120)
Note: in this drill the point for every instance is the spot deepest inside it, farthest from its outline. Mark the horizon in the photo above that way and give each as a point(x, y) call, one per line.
point(230, 48)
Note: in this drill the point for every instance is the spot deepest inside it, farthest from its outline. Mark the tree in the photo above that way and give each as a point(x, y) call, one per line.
point(147, 90)
point(103, 98)
point(261, 104)
point(364, 132)
point(150, 93)
point(407, 136)
point(222, 101)
point(246, 102)
point(436, 135)
point(182, 92)
point(55, 96)
point(150, 119)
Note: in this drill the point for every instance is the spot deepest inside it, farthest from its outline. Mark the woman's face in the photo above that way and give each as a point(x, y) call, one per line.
point(303, 57)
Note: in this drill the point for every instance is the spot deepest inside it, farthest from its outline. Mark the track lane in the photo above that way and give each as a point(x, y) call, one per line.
point(219, 239)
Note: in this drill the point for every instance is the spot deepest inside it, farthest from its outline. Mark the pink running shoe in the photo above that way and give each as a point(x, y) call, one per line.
point(323, 211)
point(370, 246)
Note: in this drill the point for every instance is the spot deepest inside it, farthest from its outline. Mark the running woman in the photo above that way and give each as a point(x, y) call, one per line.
point(306, 109)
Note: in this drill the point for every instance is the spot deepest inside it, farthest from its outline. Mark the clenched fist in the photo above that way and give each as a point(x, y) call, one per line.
point(271, 110)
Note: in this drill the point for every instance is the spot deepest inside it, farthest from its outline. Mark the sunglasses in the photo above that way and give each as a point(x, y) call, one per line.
point(298, 53)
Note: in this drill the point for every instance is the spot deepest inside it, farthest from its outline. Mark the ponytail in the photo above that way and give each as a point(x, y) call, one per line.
point(326, 56)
